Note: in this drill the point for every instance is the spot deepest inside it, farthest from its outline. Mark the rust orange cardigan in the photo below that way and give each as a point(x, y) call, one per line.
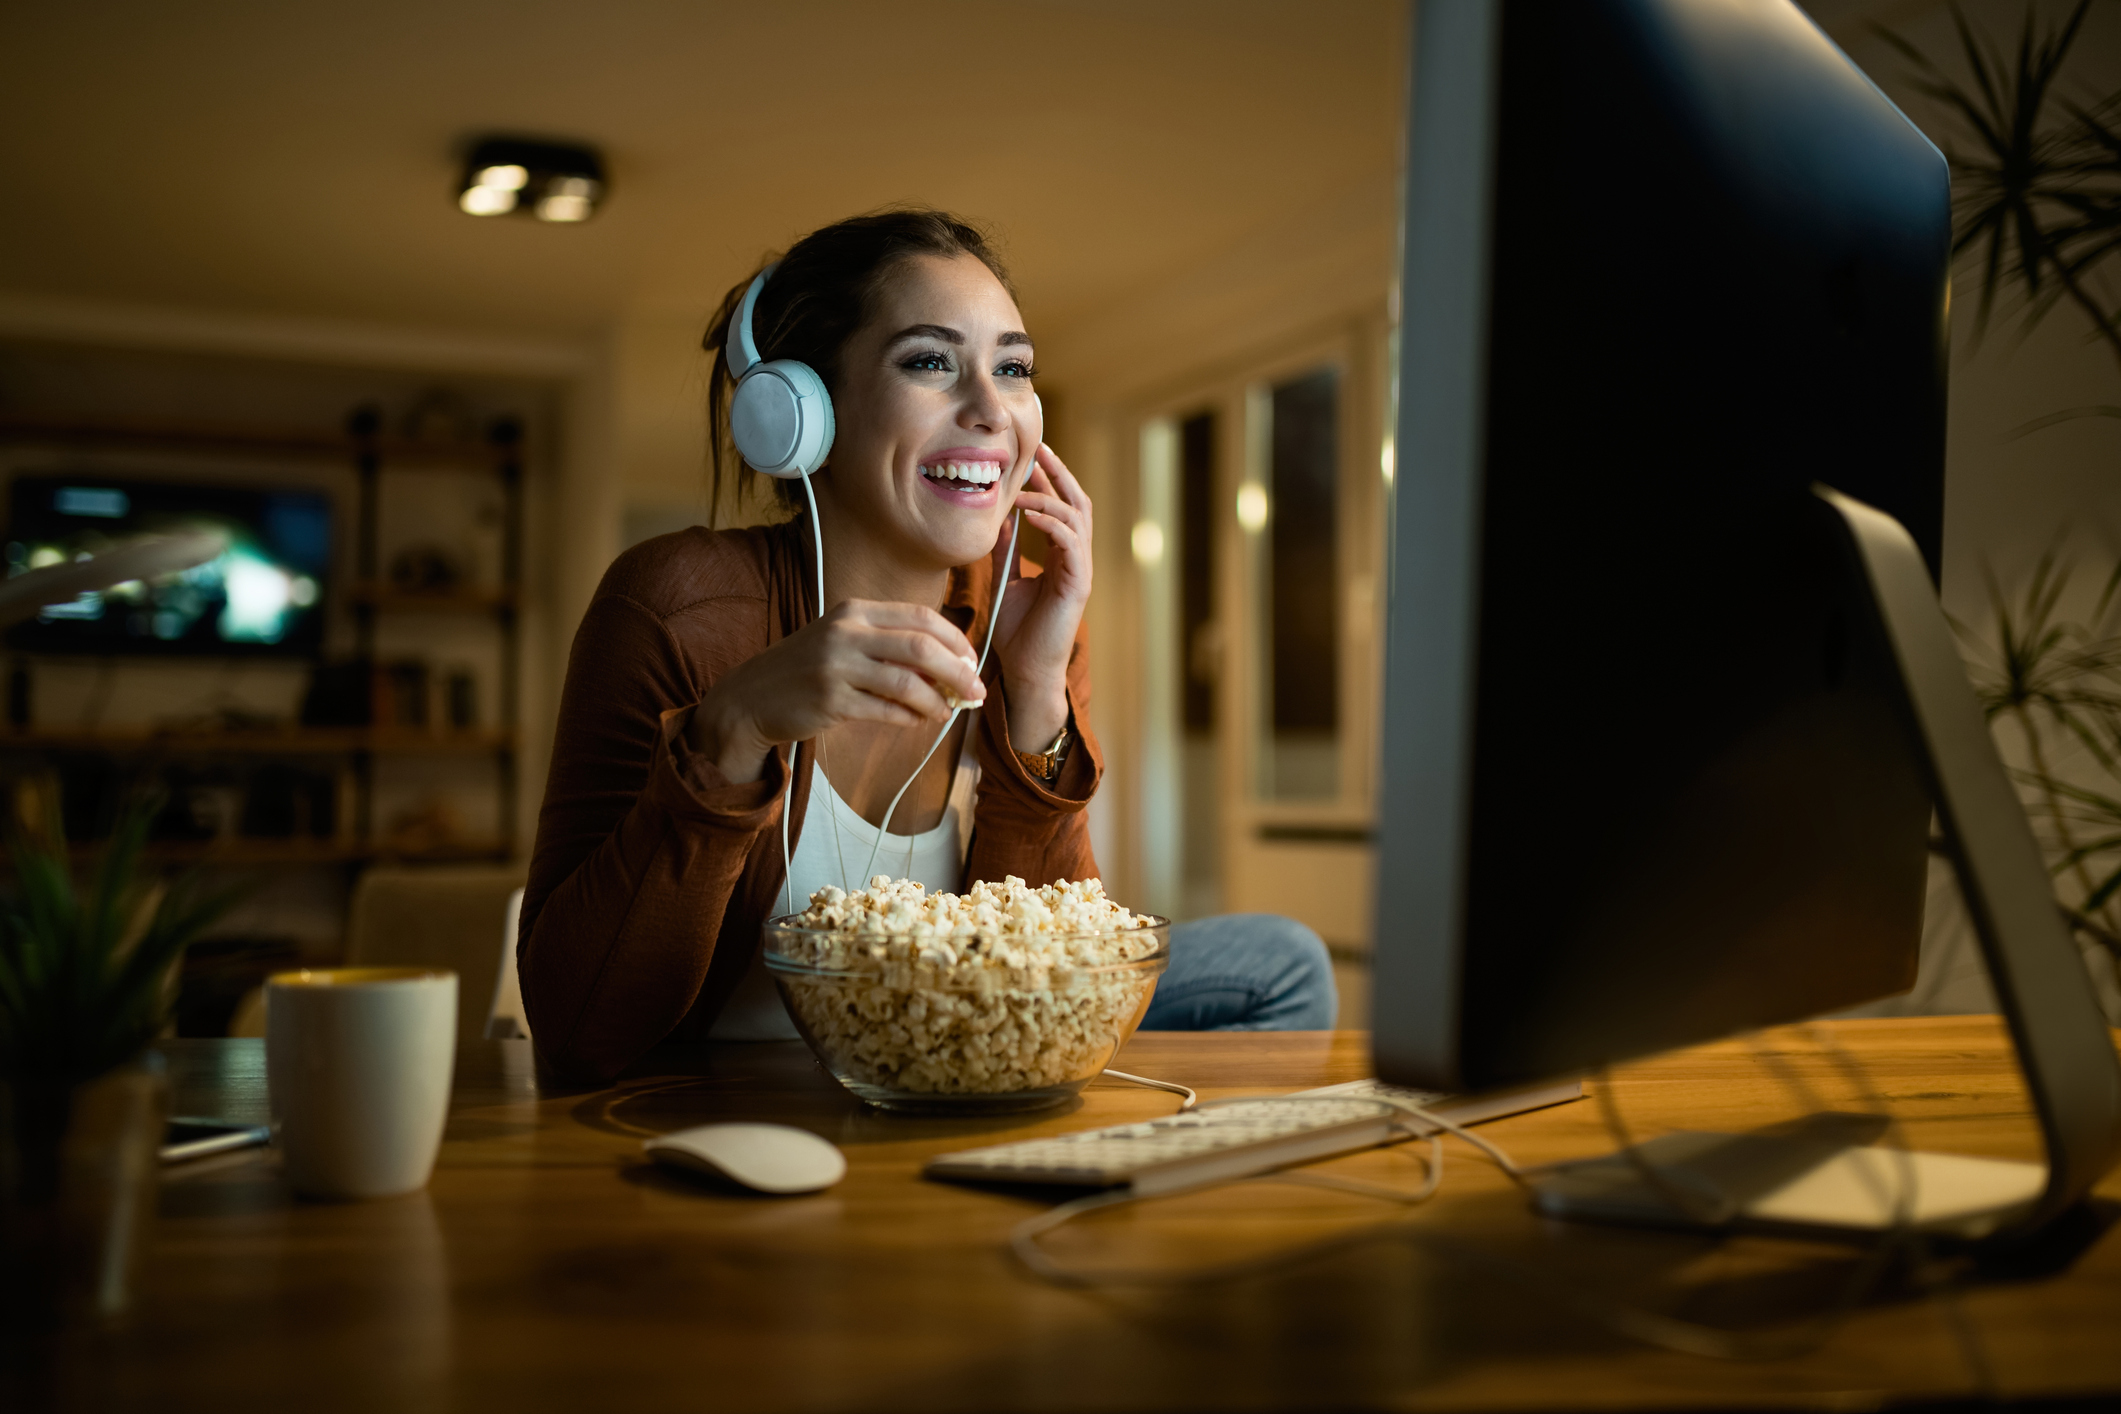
point(652, 870)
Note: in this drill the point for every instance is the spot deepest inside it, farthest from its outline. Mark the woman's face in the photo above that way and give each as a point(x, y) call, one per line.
point(936, 420)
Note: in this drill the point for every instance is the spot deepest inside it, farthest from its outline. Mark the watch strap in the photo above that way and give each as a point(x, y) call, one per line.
point(1045, 765)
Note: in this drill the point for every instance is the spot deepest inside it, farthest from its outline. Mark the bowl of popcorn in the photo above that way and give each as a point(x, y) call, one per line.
point(1004, 997)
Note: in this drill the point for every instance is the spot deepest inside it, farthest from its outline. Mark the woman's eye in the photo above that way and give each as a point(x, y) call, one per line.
point(1015, 368)
point(928, 363)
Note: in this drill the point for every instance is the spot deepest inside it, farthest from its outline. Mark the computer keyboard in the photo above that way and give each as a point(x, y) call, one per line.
point(1227, 1139)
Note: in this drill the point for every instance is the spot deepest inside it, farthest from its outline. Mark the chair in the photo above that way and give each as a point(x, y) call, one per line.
point(506, 1019)
point(444, 917)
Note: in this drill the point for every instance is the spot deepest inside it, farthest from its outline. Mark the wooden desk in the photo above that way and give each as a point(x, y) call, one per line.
point(547, 1267)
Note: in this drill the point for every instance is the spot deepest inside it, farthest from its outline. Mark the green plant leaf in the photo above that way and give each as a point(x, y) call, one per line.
point(79, 993)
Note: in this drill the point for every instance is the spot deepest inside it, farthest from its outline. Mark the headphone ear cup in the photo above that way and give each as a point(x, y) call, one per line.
point(781, 418)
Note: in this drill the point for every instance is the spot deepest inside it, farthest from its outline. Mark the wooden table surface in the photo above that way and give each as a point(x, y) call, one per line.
point(548, 1267)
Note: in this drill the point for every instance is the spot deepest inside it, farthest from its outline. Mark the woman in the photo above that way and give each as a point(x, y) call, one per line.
point(703, 658)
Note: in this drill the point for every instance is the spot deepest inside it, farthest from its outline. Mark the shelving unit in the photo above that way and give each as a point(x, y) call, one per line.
point(367, 597)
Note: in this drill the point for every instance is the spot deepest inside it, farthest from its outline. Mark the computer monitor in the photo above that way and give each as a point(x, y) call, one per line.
point(1650, 773)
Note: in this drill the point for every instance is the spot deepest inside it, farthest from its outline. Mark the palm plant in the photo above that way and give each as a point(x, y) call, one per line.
point(83, 974)
point(2036, 173)
point(2059, 683)
point(84, 977)
point(2036, 210)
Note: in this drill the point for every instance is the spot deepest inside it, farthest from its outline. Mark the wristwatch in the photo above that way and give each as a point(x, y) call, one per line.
point(1045, 765)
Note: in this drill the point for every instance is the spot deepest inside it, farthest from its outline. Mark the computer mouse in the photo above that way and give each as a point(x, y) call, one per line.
point(766, 1158)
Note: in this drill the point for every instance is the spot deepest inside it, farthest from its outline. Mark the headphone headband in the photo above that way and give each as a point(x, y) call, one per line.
point(742, 349)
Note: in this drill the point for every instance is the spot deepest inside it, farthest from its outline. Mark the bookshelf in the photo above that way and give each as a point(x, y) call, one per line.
point(367, 597)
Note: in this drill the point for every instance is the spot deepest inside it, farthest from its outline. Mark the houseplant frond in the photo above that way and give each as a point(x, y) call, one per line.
point(84, 971)
point(2034, 200)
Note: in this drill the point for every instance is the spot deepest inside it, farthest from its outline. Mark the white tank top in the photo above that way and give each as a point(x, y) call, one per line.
point(831, 849)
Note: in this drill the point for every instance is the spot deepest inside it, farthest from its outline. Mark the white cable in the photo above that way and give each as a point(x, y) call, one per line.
point(1900, 1241)
point(1488, 1147)
point(1172, 1086)
point(1016, 524)
point(817, 539)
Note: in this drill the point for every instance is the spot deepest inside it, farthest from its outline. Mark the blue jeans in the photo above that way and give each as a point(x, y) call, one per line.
point(1244, 972)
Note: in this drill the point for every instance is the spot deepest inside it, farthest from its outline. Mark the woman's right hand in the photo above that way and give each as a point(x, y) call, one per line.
point(864, 661)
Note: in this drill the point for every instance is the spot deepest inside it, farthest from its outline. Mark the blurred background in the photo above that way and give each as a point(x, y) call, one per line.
point(238, 262)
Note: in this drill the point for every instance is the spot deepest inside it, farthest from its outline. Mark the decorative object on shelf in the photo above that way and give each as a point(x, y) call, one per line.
point(515, 177)
point(401, 694)
point(427, 569)
point(198, 804)
point(442, 417)
point(84, 990)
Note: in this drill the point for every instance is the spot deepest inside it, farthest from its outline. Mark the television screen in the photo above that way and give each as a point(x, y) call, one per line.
point(263, 595)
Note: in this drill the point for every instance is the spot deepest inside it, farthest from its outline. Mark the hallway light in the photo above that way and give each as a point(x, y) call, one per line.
point(1148, 541)
point(1252, 507)
point(551, 181)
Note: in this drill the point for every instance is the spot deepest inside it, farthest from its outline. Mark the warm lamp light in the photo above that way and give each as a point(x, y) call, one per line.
point(512, 176)
point(1148, 542)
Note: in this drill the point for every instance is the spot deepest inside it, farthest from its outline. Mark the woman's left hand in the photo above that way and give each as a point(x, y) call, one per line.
point(1039, 617)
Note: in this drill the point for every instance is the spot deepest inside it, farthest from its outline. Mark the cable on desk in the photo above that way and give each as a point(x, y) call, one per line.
point(1638, 1323)
point(1187, 1101)
point(641, 1092)
point(1023, 1238)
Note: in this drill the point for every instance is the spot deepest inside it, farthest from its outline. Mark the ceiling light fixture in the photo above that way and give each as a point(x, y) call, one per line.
point(551, 181)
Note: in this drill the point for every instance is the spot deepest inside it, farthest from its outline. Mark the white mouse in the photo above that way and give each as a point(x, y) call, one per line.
point(767, 1158)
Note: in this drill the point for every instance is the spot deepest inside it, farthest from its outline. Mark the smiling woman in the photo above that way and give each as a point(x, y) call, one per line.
point(717, 688)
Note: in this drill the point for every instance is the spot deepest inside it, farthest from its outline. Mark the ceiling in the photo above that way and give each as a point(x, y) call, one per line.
point(300, 159)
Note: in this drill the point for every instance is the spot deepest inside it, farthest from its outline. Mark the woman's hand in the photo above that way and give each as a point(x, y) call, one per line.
point(863, 661)
point(1039, 617)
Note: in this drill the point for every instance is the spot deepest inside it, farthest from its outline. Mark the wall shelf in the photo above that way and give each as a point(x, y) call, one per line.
point(402, 454)
point(242, 851)
point(401, 601)
point(365, 596)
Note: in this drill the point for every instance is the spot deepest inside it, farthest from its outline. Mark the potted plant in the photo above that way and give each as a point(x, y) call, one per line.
point(2036, 206)
point(84, 990)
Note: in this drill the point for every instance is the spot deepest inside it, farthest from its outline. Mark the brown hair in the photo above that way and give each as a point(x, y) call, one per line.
point(825, 289)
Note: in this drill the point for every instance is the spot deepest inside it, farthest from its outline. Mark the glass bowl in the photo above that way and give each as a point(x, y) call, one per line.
point(937, 1037)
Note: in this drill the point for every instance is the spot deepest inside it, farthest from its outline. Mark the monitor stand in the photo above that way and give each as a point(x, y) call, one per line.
point(1822, 1175)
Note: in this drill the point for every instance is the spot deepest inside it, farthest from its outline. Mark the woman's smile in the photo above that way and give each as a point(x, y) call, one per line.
point(965, 476)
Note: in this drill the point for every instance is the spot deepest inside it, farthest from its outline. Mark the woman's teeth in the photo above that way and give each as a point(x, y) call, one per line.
point(976, 473)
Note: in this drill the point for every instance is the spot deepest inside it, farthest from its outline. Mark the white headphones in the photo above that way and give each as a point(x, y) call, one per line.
point(781, 417)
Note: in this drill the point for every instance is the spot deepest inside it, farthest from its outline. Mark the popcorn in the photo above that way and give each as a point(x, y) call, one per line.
point(997, 990)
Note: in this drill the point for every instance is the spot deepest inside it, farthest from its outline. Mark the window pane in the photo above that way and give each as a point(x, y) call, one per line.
point(1303, 591)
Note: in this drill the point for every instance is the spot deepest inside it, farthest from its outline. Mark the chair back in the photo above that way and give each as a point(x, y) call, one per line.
point(506, 1020)
point(437, 917)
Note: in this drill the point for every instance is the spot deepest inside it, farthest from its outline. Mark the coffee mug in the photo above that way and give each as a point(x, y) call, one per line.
point(358, 1062)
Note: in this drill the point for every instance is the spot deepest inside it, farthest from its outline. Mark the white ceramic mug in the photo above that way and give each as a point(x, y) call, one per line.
point(358, 1062)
